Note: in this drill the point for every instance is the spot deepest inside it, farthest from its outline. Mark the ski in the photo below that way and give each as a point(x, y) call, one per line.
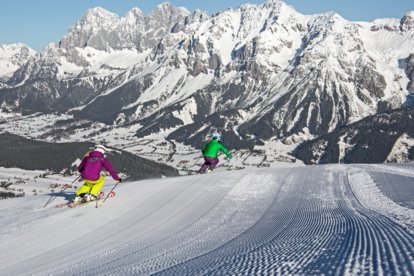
point(71, 204)
point(77, 204)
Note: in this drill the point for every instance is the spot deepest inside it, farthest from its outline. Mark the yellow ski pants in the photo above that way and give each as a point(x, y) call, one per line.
point(92, 187)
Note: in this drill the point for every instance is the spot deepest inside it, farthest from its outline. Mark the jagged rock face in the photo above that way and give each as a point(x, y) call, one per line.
point(12, 57)
point(94, 30)
point(106, 109)
point(371, 140)
point(410, 72)
point(50, 95)
point(407, 22)
point(255, 73)
point(104, 30)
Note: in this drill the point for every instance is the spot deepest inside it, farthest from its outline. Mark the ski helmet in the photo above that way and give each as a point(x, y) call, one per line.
point(101, 148)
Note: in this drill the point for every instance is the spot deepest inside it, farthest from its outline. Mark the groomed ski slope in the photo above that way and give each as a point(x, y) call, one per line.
point(335, 219)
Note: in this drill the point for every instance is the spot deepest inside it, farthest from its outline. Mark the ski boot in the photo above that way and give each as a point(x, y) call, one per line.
point(77, 199)
point(88, 197)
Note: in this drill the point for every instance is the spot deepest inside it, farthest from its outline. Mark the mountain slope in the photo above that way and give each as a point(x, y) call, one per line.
point(256, 73)
point(313, 220)
point(387, 137)
point(19, 152)
point(12, 57)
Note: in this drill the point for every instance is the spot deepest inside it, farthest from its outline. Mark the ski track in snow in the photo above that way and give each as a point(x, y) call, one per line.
point(399, 188)
point(336, 219)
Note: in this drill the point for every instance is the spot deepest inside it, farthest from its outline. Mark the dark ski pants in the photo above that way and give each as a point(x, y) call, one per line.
point(209, 163)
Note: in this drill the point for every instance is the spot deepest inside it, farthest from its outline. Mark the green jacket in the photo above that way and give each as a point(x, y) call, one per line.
point(212, 148)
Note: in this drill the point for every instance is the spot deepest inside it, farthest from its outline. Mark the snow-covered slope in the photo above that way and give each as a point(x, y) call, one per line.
point(355, 220)
point(386, 137)
point(12, 57)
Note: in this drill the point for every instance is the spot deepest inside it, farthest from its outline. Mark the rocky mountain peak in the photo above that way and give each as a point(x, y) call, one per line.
point(407, 22)
point(91, 30)
point(12, 57)
point(167, 15)
point(200, 16)
point(17, 50)
point(131, 25)
point(98, 16)
point(278, 6)
point(167, 9)
point(134, 13)
point(257, 72)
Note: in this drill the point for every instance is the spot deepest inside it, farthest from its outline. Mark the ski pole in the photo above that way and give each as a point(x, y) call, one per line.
point(196, 161)
point(234, 153)
point(66, 186)
point(228, 160)
point(225, 163)
point(99, 203)
point(110, 192)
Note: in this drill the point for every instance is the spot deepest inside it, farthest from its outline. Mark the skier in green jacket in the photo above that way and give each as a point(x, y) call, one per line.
point(210, 152)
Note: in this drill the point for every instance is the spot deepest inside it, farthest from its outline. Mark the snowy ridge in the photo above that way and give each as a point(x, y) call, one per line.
point(286, 221)
point(12, 57)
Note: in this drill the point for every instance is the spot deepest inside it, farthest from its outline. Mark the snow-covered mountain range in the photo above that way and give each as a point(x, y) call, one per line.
point(255, 74)
point(12, 57)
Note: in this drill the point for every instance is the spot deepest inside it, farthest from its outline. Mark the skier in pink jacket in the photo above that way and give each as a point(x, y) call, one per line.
point(90, 169)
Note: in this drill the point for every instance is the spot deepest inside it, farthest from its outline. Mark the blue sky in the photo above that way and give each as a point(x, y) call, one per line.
point(39, 22)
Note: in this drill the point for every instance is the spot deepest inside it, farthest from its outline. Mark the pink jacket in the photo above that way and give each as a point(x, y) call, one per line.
point(91, 166)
